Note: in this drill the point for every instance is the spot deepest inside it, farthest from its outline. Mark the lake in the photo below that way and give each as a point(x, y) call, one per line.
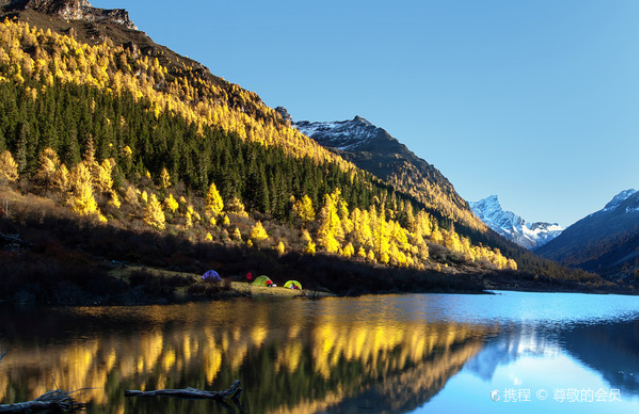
point(426, 353)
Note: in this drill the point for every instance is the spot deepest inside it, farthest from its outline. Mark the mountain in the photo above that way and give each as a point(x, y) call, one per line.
point(605, 241)
point(78, 10)
point(373, 149)
point(512, 226)
point(101, 125)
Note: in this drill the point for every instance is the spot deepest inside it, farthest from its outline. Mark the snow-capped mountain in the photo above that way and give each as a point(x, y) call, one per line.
point(341, 135)
point(605, 241)
point(619, 199)
point(373, 149)
point(513, 227)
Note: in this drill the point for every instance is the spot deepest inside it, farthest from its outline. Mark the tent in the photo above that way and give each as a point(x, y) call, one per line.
point(263, 281)
point(211, 276)
point(293, 284)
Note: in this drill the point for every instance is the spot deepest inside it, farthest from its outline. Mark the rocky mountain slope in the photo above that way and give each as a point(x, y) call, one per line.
point(79, 10)
point(606, 241)
point(375, 150)
point(512, 226)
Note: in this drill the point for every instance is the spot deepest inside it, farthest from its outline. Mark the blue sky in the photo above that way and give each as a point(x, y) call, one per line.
point(535, 101)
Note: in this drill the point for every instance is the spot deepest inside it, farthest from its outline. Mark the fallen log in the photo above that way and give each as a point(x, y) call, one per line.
point(232, 393)
point(14, 240)
point(57, 400)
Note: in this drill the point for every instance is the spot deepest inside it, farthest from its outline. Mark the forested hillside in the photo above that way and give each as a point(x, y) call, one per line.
point(142, 140)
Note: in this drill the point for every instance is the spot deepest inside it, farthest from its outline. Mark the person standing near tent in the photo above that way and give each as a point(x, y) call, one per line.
point(249, 277)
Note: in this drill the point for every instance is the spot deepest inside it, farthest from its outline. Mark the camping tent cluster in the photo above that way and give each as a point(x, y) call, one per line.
point(264, 281)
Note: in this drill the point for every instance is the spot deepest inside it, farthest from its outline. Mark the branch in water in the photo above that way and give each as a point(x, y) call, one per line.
point(232, 393)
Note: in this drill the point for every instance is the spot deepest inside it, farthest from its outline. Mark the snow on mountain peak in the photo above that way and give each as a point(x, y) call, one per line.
point(618, 199)
point(512, 226)
point(343, 135)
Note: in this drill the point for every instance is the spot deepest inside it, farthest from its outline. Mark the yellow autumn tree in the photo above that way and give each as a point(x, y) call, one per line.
point(303, 209)
point(214, 202)
point(362, 232)
point(8, 167)
point(153, 213)
point(165, 178)
point(281, 249)
point(330, 231)
point(348, 251)
point(258, 232)
point(381, 239)
point(171, 203)
point(48, 164)
point(310, 248)
point(102, 179)
point(82, 200)
point(61, 179)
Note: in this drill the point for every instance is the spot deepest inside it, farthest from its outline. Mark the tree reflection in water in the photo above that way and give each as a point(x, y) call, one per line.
point(292, 357)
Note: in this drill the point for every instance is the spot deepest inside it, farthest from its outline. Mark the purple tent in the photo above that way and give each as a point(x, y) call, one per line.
point(211, 276)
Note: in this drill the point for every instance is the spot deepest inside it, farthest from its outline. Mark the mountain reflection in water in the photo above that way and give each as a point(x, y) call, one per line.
point(387, 354)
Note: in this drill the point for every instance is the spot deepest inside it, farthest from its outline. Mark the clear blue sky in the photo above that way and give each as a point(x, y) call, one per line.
point(535, 101)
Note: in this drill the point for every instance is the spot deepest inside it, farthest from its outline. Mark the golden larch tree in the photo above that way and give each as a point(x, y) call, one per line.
point(258, 232)
point(82, 200)
point(8, 167)
point(154, 214)
point(214, 202)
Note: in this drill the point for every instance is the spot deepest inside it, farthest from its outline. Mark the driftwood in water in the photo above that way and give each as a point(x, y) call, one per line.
point(57, 400)
point(14, 239)
point(54, 400)
point(233, 393)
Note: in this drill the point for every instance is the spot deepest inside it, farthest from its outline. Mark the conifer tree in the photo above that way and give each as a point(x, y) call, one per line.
point(8, 167)
point(165, 178)
point(303, 209)
point(103, 181)
point(214, 202)
point(258, 233)
point(83, 201)
point(171, 203)
point(61, 179)
point(330, 232)
point(48, 167)
point(153, 213)
point(348, 250)
point(310, 247)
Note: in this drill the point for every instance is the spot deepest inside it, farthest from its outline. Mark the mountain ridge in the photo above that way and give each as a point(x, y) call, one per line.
point(604, 241)
point(512, 226)
point(375, 150)
point(72, 10)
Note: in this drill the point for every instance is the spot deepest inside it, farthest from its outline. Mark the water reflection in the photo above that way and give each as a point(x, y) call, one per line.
point(293, 357)
point(389, 354)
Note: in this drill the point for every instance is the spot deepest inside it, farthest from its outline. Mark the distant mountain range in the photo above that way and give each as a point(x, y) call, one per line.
point(606, 242)
point(512, 226)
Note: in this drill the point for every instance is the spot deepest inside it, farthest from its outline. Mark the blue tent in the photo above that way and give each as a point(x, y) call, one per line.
point(211, 276)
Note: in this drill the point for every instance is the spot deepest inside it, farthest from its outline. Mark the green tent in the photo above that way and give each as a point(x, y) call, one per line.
point(263, 281)
point(293, 284)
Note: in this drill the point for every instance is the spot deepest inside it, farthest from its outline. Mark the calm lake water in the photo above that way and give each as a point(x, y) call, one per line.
point(509, 352)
